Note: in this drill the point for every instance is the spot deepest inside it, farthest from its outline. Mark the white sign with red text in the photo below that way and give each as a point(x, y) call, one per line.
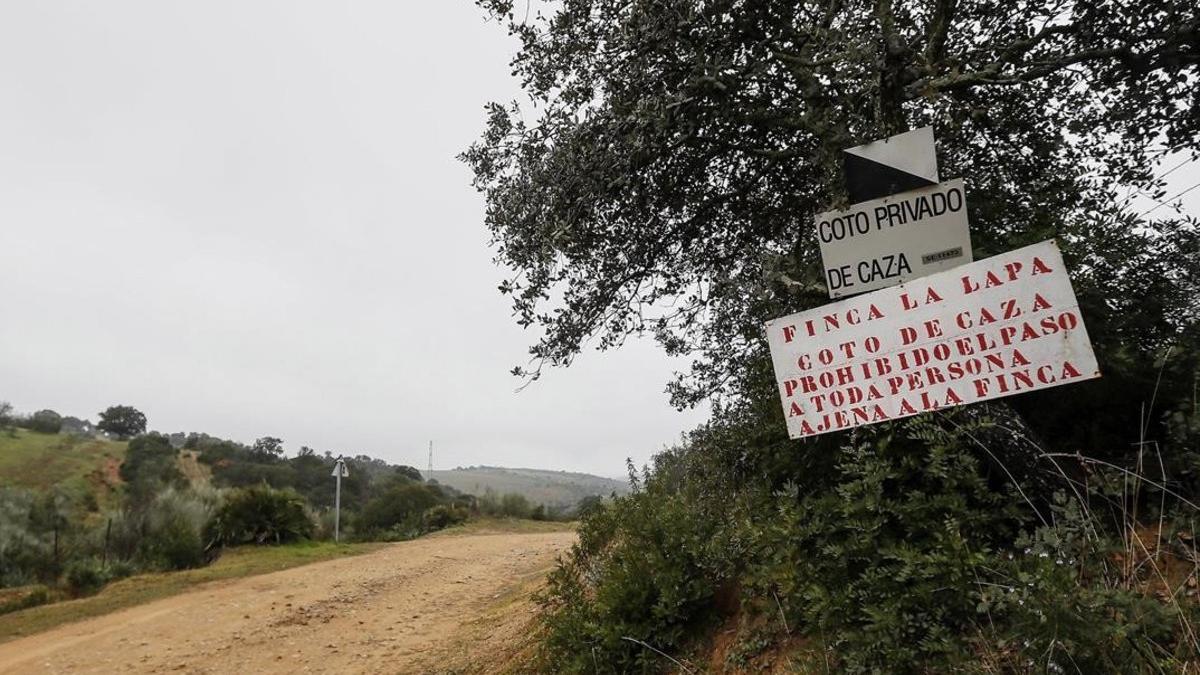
point(1001, 326)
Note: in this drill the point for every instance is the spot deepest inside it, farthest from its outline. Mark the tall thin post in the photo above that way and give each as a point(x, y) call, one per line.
point(429, 471)
point(337, 502)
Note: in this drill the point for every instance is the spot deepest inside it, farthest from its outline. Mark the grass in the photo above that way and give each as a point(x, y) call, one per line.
point(240, 562)
point(42, 462)
point(34, 460)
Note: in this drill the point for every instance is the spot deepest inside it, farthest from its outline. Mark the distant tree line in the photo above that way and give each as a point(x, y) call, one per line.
point(120, 422)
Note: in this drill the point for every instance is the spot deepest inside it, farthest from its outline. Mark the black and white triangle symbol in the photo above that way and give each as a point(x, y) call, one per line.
point(895, 164)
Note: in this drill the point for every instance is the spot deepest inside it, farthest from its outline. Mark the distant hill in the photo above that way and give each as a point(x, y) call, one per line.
point(552, 488)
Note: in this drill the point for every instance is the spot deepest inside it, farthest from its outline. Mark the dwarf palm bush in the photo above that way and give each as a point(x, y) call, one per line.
point(260, 515)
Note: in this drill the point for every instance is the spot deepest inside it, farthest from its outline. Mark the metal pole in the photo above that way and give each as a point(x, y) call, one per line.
point(337, 504)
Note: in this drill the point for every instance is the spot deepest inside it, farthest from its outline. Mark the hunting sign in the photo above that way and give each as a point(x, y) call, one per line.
point(993, 328)
point(883, 242)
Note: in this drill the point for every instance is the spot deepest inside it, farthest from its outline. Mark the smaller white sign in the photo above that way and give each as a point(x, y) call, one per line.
point(911, 152)
point(340, 466)
point(884, 242)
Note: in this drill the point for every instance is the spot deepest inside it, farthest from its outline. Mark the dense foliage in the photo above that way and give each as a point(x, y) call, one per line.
point(913, 553)
point(235, 465)
point(661, 179)
point(149, 466)
point(399, 506)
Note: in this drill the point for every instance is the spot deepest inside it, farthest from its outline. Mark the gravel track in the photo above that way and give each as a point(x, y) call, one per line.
point(397, 610)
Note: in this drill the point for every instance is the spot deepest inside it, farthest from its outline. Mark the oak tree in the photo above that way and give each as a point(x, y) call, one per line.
point(122, 421)
point(662, 175)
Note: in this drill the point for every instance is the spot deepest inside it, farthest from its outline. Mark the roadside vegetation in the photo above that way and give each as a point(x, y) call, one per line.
point(108, 515)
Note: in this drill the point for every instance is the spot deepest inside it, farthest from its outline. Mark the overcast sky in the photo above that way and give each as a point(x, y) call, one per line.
point(246, 218)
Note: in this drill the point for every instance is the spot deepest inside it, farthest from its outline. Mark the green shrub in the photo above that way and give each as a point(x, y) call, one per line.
point(636, 572)
point(260, 515)
point(120, 569)
point(125, 537)
point(45, 421)
point(85, 576)
point(175, 528)
point(324, 529)
point(170, 531)
point(884, 562)
point(399, 506)
point(178, 546)
point(443, 516)
point(507, 505)
point(515, 505)
point(27, 538)
point(587, 504)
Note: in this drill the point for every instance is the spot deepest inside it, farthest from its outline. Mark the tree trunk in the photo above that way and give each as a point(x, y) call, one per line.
point(893, 61)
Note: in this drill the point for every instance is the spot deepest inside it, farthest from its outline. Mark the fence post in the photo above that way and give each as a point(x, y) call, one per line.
point(107, 534)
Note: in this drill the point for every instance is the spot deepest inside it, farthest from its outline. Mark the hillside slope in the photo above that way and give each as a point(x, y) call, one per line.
point(552, 488)
point(84, 467)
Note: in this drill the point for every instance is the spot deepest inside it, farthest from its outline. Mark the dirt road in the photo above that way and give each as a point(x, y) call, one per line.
point(413, 607)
